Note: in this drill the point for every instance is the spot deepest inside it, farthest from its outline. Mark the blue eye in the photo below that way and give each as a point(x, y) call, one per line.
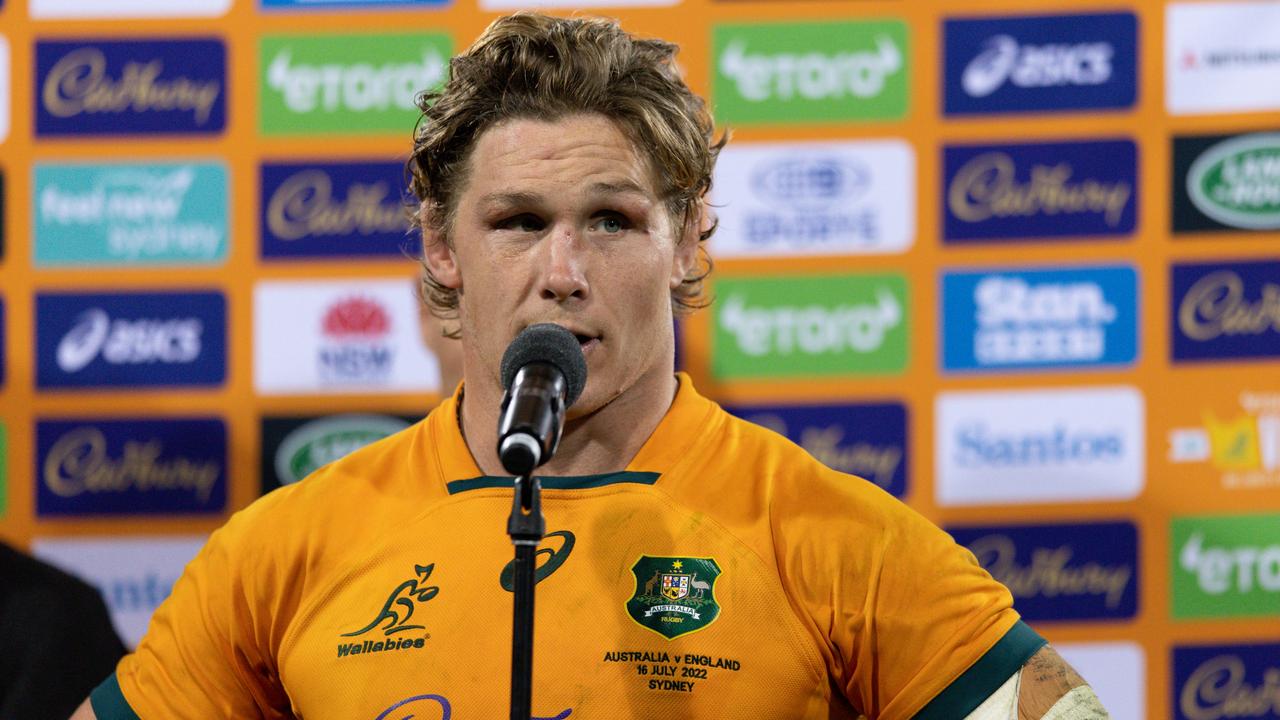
point(611, 225)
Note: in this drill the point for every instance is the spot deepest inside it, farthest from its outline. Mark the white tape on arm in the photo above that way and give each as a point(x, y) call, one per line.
point(1079, 704)
point(1001, 704)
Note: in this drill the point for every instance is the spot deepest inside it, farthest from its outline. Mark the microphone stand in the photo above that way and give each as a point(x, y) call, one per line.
point(526, 528)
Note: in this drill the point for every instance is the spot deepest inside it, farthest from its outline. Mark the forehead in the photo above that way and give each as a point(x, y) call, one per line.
point(553, 157)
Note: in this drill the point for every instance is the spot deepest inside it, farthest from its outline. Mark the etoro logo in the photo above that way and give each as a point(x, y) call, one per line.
point(810, 326)
point(805, 72)
point(1226, 566)
point(1237, 182)
point(348, 83)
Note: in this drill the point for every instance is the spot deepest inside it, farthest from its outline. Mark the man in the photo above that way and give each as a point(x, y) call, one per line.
point(698, 566)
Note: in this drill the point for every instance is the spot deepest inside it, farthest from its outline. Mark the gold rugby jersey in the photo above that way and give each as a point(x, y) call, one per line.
point(724, 574)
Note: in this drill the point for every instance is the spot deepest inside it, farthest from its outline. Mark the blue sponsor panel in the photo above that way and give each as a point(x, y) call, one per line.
point(130, 87)
point(1226, 681)
point(130, 340)
point(1040, 63)
point(867, 440)
point(321, 210)
point(1086, 571)
point(1225, 311)
point(1036, 319)
point(131, 466)
point(1039, 190)
point(348, 4)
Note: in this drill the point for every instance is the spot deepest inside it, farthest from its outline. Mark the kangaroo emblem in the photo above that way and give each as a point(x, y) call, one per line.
point(403, 596)
point(651, 584)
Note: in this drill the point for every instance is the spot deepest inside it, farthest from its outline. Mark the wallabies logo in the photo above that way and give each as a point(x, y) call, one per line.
point(394, 616)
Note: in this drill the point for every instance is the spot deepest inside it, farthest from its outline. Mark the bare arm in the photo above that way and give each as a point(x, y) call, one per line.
point(1046, 688)
point(84, 712)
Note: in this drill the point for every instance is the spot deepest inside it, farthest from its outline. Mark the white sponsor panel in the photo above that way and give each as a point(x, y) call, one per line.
point(786, 199)
point(5, 89)
point(1040, 446)
point(1116, 671)
point(86, 9)
point(1222, 57)
point(343, 336)
point(134, 575)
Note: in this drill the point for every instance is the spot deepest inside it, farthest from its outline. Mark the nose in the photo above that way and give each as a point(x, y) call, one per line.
point(562, 273)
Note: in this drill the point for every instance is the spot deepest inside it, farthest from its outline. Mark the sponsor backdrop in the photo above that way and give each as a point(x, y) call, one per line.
point(1018, 268)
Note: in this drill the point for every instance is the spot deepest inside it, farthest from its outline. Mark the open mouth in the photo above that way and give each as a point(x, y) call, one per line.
point(587, 342)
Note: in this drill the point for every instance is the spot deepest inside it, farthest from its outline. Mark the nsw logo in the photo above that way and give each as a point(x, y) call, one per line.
point(1226, 183)
point(1039, 63)
point(787, 199)
point(869, 441)
point(153, 339)
point(807, 72)
point(133, 214)
point(138, 87)
point(1061, 572)
point(1226, 681)
point(1030, 318)
point(1040, 190)
point(1040, 446)
point(332, 209)
point(1223, 311)
point(810, 327)
point(130, 466)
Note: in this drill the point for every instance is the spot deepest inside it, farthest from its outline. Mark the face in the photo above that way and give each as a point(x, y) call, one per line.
point(561, 222)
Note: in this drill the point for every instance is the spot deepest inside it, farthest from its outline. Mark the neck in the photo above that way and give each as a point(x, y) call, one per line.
point(599, 442)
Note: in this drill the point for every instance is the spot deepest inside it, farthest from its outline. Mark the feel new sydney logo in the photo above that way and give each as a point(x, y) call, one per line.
point(394, 618)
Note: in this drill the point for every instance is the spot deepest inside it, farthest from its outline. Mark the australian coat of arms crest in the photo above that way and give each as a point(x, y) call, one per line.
point(674, 596)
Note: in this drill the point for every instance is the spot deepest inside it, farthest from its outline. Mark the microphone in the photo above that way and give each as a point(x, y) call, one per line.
point(543, 373)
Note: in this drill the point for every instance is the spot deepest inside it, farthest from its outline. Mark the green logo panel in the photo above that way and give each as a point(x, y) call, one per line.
point(1226, 566)
point(348, 83)
point(799, 327)
point(674, 596)
point(810, 72)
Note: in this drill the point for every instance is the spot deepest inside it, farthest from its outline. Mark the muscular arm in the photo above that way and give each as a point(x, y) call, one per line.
point(1046, 688)
point(84, 712)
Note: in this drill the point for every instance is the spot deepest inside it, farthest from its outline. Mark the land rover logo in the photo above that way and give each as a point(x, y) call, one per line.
point(1237, 182)
point(322, 441)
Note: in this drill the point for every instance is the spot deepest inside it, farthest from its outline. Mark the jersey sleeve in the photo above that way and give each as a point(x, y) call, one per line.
point(209, 650)
point(912, 626)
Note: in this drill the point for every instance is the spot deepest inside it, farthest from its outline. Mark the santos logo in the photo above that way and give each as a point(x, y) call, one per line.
point(144, 339)
point(1040, 62)
point(815, 199)
point(1061, 445)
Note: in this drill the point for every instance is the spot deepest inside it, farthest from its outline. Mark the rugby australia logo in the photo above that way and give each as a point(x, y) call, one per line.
point(674, 596)
point(394, 617)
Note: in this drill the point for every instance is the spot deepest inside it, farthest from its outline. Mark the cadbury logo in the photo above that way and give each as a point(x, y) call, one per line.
point(1217, 690)
point(78, 84)
point(1050, 573)
point(304, 206)
point(987, 187)
point(1215, 307)
point(79, 463)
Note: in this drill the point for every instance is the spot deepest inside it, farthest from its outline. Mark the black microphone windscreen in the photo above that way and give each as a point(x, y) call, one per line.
point(551, 344)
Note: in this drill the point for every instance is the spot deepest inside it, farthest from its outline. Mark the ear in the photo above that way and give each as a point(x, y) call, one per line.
point(685, 258)
point(438, 256)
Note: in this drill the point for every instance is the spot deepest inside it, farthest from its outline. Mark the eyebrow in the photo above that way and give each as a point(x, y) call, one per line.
point(513, 199)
